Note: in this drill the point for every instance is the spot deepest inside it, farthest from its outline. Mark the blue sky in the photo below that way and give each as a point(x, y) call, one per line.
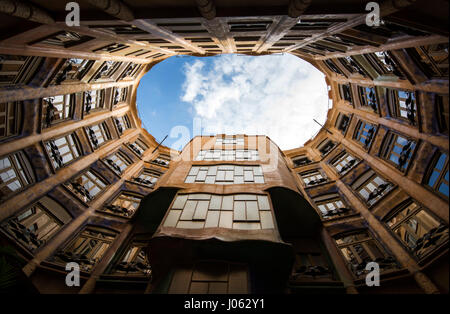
point(277, 95)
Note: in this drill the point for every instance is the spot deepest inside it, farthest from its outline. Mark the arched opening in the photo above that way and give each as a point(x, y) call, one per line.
point(275, 95)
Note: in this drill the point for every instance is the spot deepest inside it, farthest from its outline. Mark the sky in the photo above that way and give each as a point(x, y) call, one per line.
point(274, 95)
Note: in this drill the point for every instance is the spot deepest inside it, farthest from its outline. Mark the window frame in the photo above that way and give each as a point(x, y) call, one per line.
point(387, 150)
point(89, 233)
point(333, 67)
point(369, 178)
point(225, 174)
point(365, 102)
point(122, 157)
point(97, 181)
point(398, 210)
point(67, 112)
point(339, 158)
point(364, 243)
point(396, 109)
point(343, 118)
point(72, 71)
point(47, 40)
point(37, 239)
point(441, 102)
point(301, 157)
point(342, 93)
point(23, 173)
point(335, 199)
point(23, 73)
point(120, 95)
point(73, 144)
point(106, 71)
point(324, 144)
point(318, 174)
point(138, 145)
point(358, 133)
point(99, 102)
point(124, 122)
point(148, 172)
point(128, 261)
point(441, 173)
point(104, 131)
point(112, 207)
point(352, 66)
point(382, 66)
point(13, 119)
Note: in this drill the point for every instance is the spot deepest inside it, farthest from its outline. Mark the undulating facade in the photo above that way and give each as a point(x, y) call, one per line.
point(81, 180)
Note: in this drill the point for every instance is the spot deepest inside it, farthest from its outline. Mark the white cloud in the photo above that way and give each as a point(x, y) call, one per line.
point(277, 95)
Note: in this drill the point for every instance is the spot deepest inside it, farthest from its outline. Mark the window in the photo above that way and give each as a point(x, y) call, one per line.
point(94, 100)
point(402, 105)
point(121, 29)
point(120, 95)
point(218, 154)
point(352, 66)
point(359, 249)
point(344, 162)
point(139, 147)
point(342, 122)
point(106, 70)
point(118, 162)
point(345, 92)
point(87, 186)
point(239, 211)
point(442, 112)
point(331, 206)
point(131, 70)
point(10, 119)
point(162, 160)
point(333, 67)
point(87, 248)
point(122, 123)
point(62, 150)
point(124, 205)
point(249, 26)
point(433, 59)
point(134, 261)
point(37, 224)
point(111, 48)
point(148, 177)
point(301, 161)
point(419, 231)
point(311, 264)
point(437, 177)
point(63, 39)
point(17, 69)
point(368, 98)
point(313, 177)
point(57, 109)
point(371, 187)
point(365, 133)
point(230, 140)
point(73, 70)
point(98, 134)
point(326, 146)
point(15, 174)
point(398, 150)
point(384, 63)
point(225, 174)
point(317, 23)
point(211, 277)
